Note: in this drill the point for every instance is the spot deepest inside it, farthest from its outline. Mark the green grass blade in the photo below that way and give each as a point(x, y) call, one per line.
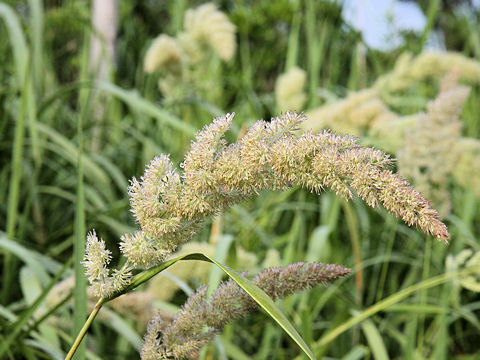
point(375, 341)
point(80, 290)
point(39, 262)
point(14, 190)
point(36, 23)
point(133, 99)
point(357, 353)
point(27, 314)
point(233, 351)
point(122, 327)
point(69, 151)
point(17, 41)
point(12, 247)
point(389, 301)
point(293, 37)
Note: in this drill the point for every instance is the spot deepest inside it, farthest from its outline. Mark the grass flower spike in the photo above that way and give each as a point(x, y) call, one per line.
point(164, 52)
point(206, 24)
point(201, 318)
point(182, 59)
point(430, 153)
point(289, 90)
point(270, 156)
point(170, 207)
point(467, 168)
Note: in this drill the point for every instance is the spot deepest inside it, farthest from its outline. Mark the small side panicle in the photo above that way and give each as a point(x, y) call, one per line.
point(200, 319)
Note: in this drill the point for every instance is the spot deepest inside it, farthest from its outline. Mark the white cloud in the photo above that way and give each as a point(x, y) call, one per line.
point(381, 21)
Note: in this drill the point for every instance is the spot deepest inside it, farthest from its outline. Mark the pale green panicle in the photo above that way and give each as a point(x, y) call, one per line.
point(206, 24)
point(467, 168)
point(429, 153)
point(201, 318)
point(289, 90)
point(465, 259)
point(182, 59)
point(171, 206)
point(164, 52)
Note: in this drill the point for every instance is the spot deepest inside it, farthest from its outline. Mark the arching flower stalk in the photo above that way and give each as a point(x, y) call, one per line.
point(270, 156)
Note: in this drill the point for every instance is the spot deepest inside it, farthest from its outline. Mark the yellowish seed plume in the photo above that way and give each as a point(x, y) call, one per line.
point(289, 90)
point(164, 52)
point(209, 25)
point(467, 167)
point(429, 157)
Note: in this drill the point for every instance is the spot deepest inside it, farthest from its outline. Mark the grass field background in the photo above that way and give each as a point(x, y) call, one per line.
point(410, 296)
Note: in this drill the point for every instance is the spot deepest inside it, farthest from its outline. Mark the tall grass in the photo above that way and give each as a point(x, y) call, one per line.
point(401, 301)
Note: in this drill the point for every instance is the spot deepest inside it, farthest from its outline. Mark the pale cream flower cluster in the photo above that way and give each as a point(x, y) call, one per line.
point(466, 258)
point(181, 58)
point(467, 169)
point(366, 113)
point(410, 70)
point(164, 52)
point(430, 151)
point(269, 156)
point(171, 206)
point(289, 90)
point(207, 25)
point(353, 115)
point(349, 116)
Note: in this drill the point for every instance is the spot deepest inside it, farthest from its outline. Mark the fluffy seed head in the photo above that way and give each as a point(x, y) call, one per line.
point(289, 90)
point(164, 52)
point(208, 25)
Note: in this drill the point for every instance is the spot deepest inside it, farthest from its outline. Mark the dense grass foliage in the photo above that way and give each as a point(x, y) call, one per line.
point(70, 142)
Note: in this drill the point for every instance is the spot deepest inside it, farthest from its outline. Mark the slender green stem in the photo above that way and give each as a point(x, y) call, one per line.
point(352, 223)
point(85, 327)
point(432, 13)
point(14, 191)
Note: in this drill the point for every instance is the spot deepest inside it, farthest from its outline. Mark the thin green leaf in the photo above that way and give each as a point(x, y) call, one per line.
point(389, 301)
point(17, 40)
point(69, 151)
point(27, 313)
point(133, 99)
point(117, 323)
point(27, 256)
point(375, 341)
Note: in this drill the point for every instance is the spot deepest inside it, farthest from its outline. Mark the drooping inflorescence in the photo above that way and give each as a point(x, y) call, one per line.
point(201, 318)
point(170, 207)
point(270, 156)
point(430, 152)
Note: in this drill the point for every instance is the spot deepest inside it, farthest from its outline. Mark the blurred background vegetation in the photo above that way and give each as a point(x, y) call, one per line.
point(408, 297)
